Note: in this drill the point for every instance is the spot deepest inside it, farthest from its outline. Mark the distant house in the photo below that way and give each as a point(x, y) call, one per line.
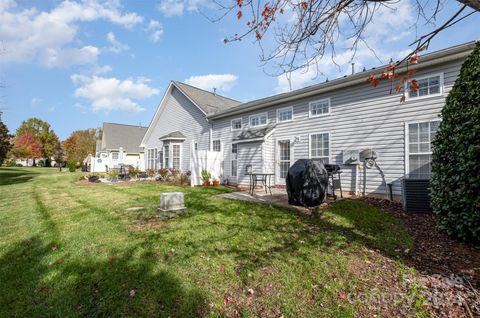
point(120, 144)
point(332, 122)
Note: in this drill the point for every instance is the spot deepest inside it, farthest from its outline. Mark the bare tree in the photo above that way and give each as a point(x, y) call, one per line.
point(318, 24)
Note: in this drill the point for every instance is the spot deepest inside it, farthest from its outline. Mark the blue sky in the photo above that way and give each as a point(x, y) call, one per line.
point(78, 64)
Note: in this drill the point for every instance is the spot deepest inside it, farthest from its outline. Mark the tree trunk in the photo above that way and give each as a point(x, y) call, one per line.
point(474, 4)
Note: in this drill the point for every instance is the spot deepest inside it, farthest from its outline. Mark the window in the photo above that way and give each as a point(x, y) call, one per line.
point(419, 148)
point(176, 157)
point(216, 145)
point(115, 155)
point(236, 124)
point(258, 120)
point(234, 166)
point(151, 159)
point(160, 159)
point(284, 157)
point(166, 156)
point(427, 86)
point(319, 107)
point(320, 147)
point(285, 114)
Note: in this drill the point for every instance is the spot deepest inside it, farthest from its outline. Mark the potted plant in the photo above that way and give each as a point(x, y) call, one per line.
point(215, 182)
point(206, 176)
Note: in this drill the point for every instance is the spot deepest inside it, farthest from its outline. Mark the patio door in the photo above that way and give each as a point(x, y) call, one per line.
point(284, 160)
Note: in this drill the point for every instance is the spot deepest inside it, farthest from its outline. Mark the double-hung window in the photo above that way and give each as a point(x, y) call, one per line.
point(319, 107)
point(216, 145)
point(176, 156)
point(151, 158)
point(234, 165)
point(258, 120)
point(285, 114)
point(431, 85)
point(115, 155)
point(419, 137)
point(236, 124)
point(166, 156)
point(320, 147)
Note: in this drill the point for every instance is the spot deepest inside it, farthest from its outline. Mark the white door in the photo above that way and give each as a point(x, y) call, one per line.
point(284, 160)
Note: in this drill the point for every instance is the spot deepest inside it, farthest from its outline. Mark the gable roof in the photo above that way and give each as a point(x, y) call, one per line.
point(173, 135)
point(259, 134)
point(209, 102)
point(119, 135)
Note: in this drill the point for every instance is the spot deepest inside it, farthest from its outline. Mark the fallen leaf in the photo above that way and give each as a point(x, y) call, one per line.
point(111, 258)
point(54, 248)
point(341, 296)
point(226, 299)
point(221, 268)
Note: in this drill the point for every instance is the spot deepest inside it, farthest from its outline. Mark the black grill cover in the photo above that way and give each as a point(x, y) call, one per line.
point(307, 182)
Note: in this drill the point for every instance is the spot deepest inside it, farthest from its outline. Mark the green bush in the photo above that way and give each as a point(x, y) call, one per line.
point(455, 160)
point(71, 165)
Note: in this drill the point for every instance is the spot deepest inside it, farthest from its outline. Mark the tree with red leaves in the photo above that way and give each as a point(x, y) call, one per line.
point(314, 27)
point(27, 147)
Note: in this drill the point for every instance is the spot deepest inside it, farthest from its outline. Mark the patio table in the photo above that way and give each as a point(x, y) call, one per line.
point(264, 178)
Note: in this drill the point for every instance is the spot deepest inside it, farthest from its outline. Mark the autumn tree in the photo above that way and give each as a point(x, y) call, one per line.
point(27, 147)
point(5, 142)
point(79, 144)
point(43, 133)
point(312, 28)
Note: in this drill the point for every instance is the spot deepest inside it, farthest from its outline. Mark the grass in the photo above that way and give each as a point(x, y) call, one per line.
point(70, 250)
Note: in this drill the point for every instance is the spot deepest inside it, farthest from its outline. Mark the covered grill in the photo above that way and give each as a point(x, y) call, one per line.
point(307, 183)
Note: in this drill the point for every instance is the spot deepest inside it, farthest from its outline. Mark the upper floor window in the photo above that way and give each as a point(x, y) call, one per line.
point(285, 114)
point(319, 107)
point(236, 124)
point(258, 120)
point(216, 145)
point(431, 85)
point(320, 147)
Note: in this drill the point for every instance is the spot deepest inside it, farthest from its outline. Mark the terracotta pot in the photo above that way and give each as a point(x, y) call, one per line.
point(206, 183)
point(216, 183)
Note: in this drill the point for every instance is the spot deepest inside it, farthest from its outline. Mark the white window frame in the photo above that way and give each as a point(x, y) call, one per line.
point(179, 157)
point(115, 153)
point(329, 144)
point(441, 87)
point(407, 141)
point(166, 155)
point(219, 143)
point(231, 124)
point(289, 108)
point(149, 150)
point(258, 115)
point(232, 159)
point(317, 101)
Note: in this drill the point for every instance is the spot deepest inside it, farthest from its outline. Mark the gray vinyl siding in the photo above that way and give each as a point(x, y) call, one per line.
point(360, 117)
point(180, 114)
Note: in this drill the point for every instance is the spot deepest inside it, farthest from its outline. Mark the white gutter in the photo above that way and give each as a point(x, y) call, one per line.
point(435, 58)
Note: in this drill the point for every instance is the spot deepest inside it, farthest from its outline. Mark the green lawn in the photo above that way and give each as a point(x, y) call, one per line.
point(222, 258)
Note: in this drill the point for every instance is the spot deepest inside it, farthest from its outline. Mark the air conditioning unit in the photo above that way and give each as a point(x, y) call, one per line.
point(351, 157)
point(416, 195)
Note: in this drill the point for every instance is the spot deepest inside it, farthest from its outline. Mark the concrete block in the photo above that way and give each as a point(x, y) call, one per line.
point(172, 201)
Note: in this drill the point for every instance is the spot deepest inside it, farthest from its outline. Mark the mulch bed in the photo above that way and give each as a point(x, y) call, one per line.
point(449, 270)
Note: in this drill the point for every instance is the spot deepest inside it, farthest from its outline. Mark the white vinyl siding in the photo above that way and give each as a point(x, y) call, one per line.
point(258, 120)
point(427, 86)
point(285, 114)
point(236, 124)
point(319, 107)
point(419, 137)
point(217, 146)
point(320, 147)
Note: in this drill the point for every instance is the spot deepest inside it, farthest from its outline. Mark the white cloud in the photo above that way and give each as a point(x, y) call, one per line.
point(35, 101)
point(171, 8)
point(111, 94)
point(117, 46)
point(155, 29)
point(223, 82)
point(49, 37)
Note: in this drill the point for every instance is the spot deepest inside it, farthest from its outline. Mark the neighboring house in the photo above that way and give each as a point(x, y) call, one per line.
point(38, 161)
point(180, 125)
point(120, 144)
point(322, 122)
